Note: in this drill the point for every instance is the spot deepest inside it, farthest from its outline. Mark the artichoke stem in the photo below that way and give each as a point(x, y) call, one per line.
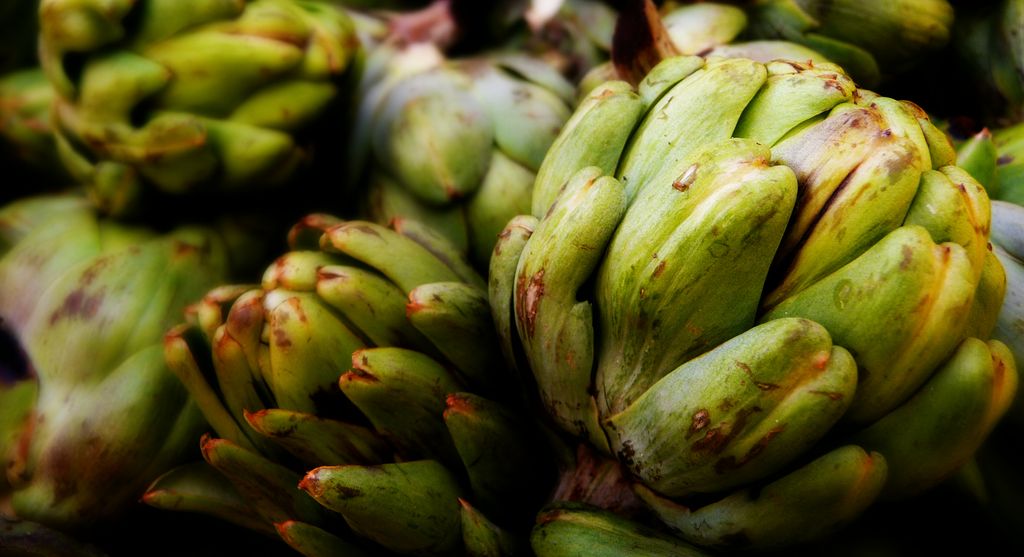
point(598, 480)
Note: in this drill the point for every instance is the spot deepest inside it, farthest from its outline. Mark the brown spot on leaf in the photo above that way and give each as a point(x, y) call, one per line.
point(731, 463)
point(626, 454)
point(908, 258)
point(716, 439)
point(658, 270)
point(529, 293)
point(281, 338)
point(700, 420)
point(834, 395)
point(78, 304)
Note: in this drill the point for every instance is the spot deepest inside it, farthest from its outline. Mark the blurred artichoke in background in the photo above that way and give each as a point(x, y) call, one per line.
point(27, 146)
point(455, 143)
point(195, 97)
point(367, 363)
point(89, 300)
point(19, 25)
point(988, 43)
point(1008, 245)
point(871, 39)
point(764, 291)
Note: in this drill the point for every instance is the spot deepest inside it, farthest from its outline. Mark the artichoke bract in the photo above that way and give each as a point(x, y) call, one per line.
point(455, 143)
point(89, 301)
point(195, 96)
point(357, 399)
point(761, 290)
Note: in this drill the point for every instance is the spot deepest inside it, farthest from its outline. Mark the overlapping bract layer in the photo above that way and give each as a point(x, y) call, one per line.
point(89, 301)
point(742, 271)
point(367, 362)
point(456, 143)
point(191, 96)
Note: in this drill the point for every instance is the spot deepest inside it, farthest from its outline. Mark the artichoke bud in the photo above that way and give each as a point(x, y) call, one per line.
point(739, 412)
point(719, 220)
point(920, 286)
point(805, 504)
point(408, 507)
point(932, 435)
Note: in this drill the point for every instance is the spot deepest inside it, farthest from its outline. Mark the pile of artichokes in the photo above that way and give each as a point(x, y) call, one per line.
point(531, 277)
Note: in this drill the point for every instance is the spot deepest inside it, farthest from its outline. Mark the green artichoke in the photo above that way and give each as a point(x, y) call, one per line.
point(763, 291)
point(1008, 245)
point(455, 143)
point(364, 370)
point(27, 145)
point(18, 27)
point(209, 97)
point(872, 39)
point(89, 301)
point(990, 54)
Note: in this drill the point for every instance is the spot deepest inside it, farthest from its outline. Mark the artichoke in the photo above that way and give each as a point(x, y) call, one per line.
point(27, 145)
point(18, 27)
point(89, 301)
point(872, 39)
point(160, 99)
point(762, 291)
point(1008, 245)
point(364, 371)
point(990, 55)
point(455, 143)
